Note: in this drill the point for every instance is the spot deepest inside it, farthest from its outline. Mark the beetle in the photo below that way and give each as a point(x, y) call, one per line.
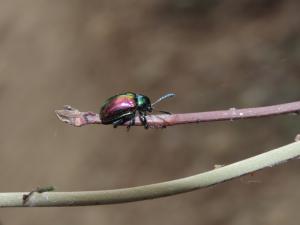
point(123, 107)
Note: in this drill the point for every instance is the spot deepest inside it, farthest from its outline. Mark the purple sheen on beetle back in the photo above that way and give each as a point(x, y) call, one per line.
point(117, 105)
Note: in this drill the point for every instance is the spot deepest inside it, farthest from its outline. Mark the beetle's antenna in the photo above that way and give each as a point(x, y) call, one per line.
point(169, 95)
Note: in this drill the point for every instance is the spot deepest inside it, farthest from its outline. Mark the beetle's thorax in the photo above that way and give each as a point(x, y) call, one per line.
point(143, 103)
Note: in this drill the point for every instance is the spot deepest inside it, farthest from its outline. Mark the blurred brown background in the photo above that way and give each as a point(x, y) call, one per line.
point(213, 54)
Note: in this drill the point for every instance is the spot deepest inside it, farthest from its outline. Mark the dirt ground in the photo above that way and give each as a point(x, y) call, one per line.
point(213, 54)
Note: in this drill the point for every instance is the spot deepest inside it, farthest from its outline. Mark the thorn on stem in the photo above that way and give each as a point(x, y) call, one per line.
point(216, 166)
point(297, 138)
point(68, 107)
point(40, 190)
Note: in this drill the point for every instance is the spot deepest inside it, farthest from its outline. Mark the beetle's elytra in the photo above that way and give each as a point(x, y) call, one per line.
point(123, 107)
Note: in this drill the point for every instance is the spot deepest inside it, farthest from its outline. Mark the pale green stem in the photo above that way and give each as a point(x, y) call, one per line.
point(206, 179)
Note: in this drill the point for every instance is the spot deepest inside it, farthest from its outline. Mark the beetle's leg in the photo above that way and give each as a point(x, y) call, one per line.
point(121, 121)
point(165, 112)
point(143, 119)
point(118, 122)
point(132, 122)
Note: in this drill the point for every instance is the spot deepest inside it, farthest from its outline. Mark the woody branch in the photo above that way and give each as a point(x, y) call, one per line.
point(77, 118)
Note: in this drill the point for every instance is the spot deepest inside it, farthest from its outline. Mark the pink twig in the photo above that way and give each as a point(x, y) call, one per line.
point(74, 117)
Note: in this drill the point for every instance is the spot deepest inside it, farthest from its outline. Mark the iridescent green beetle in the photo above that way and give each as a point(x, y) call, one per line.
point(122, 108)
